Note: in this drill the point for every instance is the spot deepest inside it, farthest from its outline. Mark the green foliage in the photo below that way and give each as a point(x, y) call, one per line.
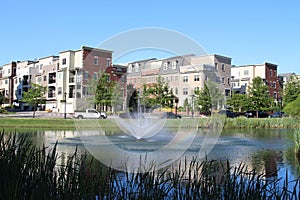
point(132, 98)
point(34, 96)
point(106, 92)
point(296, 139)
point(2, 98)
point(293, 108)
point(158, 93)
point(238, 102)
point(291, 90)
point(259, 98)
point(204, 99)
point(28, 172)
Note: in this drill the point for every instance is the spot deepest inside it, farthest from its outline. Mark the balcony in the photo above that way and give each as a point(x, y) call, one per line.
point(52, 78)
point(25, 82)
point(51, 95)
point(71, 80)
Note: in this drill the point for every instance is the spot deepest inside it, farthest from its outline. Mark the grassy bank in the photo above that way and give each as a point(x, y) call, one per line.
point(242, 122)
point(69, 124)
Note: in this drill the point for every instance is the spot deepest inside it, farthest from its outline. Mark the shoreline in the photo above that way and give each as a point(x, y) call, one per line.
point(69, 124)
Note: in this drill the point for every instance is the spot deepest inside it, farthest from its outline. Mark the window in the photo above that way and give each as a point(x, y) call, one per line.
point(41, 66)
point(137, 67)
point(196, 78)
point(174, 64)
point(176, 90)
point(228, 81)
point(216, 65)
point(95, 76)
point(196, 89)
point(96, 60)
point(59, 90)
point(39, 79)
point(185, 91)
point(271, 72)
point(107, 62)
point(223, 80)
point(246, 72)
point(64, 61)
point(6, 82)
point(165, 66)
point(86, 75)
point(171, 78)
point(176, 78)
point(45, 78)
point(185, 79)
point(16, 81)
point(274, 85)
point(223, 67)
point(8, 71)
point(130, 68)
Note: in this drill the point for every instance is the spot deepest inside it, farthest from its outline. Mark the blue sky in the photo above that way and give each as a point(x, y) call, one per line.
point(250, 32)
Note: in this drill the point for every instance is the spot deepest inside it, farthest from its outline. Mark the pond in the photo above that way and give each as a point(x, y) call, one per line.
point(269, 151)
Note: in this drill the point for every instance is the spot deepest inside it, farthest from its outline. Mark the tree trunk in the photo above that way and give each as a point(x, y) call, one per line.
point(34, 109)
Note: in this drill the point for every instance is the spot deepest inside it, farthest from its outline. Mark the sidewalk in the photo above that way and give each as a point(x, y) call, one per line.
point(38, 114)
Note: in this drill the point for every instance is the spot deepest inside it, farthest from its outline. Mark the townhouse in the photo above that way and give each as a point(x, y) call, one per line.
point(184, 74)
point(242, 77)
point(66, 77)
point(8, 71)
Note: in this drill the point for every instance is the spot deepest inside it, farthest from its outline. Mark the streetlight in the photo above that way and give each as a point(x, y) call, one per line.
point(192, 105)
point(65, 114)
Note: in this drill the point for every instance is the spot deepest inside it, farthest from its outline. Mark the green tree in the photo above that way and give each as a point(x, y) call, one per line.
point(238, 102)
point(293, 108)
point(35, 96)
point(291, 90)
point(132, 98)
point(158, 93)
point(258, 96)
point(104, 91)
point(204, 100)
point(1, 99)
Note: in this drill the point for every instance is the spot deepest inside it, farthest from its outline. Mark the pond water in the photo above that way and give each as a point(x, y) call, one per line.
point(269, 151)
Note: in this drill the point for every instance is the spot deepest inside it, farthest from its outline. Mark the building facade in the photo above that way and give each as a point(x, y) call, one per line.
point(242, 77)
point(8, 72)
point(184, 74)
point(66, 77)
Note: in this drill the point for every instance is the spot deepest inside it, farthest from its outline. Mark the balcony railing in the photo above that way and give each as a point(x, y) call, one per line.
point(51, 95)
point(71, 80)
point(51, 81)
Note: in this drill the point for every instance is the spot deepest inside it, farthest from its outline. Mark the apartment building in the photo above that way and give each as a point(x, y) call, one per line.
point(242, 77)
point(8, 71)
point(25, 75)
point(66, 78)
point(184, 74)
point(46, 76)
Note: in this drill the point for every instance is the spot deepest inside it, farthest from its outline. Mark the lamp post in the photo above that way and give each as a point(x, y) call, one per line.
point(65, 114)
point(192, 105)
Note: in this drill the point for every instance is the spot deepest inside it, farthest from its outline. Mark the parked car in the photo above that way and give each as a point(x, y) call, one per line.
point(171, 115)
point(133, 115)
point(252, 114)
point(277, 115)
point(89, 114)
point(228, 113)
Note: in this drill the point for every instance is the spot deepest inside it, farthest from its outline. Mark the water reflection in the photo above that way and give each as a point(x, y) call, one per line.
point(267, 150)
